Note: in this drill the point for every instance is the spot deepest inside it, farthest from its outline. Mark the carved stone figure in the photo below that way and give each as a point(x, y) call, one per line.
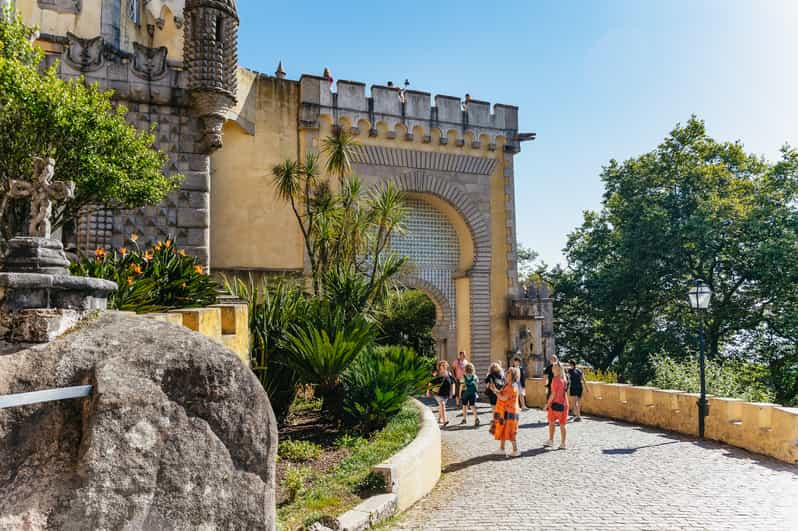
point(42, 191)
point(85, 55)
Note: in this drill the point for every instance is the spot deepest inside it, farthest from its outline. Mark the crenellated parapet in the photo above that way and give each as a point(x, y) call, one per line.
point(409, 113)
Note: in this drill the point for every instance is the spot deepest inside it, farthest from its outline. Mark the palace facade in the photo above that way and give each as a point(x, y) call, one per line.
point(173, 63)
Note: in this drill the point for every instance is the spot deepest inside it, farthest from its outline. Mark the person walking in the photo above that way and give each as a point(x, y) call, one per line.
point(557, 405)
point(444, 389)
point(577, 385)
point(517, 363)
point(468, 392)
point(505, 417)
point(458, 371)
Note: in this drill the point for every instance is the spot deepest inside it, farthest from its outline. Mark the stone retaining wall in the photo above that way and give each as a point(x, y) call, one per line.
point(226, 323)
point(763, 428)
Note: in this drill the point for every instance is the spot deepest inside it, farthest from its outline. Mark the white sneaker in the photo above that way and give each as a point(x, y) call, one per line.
point(548, 444)
point(514, 454)
point(500, 452)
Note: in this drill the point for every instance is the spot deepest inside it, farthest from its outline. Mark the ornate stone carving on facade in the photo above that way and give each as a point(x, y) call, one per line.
point(211, 59)
point(149, 63)
point(85, 55)
point(61, 6)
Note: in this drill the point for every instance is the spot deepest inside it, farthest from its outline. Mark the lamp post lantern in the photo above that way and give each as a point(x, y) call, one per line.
point(699, 296)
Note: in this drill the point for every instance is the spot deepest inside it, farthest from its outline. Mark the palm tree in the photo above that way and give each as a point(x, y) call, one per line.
point(339, 148)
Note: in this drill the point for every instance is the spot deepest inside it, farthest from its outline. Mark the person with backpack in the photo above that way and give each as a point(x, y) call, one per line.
point(557, 405)
point(468, 394)
point(577, 385)
point(444, 389)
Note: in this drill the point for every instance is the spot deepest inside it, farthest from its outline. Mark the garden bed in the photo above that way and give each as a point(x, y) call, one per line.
point(323, 471)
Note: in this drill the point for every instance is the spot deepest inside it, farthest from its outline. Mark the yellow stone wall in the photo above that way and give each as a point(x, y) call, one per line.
point(767, 429)
point(251, 228)
point(225, 323)
point(87, 24)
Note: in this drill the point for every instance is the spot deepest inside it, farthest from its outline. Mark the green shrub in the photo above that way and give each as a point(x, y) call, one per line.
point(293, 483)
point(379, 382)
point(371, 483)
point(732, 379)
point(298, 450)
point(349, 441)
point(150, 279)
point(273, 307)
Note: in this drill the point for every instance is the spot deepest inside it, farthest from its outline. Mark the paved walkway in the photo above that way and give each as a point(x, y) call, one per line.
point(613, 476)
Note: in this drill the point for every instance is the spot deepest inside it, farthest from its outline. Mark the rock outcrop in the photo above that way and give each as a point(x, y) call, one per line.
point(177, 434)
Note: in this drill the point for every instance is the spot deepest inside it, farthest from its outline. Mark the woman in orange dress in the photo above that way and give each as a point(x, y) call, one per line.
point(505, 416)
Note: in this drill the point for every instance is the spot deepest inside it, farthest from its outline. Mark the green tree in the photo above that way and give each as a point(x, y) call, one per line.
point(692, 208)
point(111, 162)
point(407, 320)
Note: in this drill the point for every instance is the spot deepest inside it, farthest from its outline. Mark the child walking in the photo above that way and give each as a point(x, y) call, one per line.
point(505, 417)
point(557, 405)
point(468, 394)
point(444, 382)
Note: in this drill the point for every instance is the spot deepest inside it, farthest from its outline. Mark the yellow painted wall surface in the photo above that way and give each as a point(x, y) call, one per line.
point(250, 227)
point(767, 429)
point(499, 337)
point(87, 24)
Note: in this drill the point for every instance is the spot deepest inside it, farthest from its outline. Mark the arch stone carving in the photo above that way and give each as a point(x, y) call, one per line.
point(476, 219)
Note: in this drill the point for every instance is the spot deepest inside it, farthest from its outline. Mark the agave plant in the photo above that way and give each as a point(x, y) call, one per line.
point(379, 382)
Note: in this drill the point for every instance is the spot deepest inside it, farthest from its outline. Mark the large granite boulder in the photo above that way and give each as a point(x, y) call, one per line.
point(178, 434)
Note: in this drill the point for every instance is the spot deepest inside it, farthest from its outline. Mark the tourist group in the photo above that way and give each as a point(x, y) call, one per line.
point(506, 391)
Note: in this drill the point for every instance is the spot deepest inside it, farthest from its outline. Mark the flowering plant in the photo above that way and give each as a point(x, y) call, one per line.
point(150, 279)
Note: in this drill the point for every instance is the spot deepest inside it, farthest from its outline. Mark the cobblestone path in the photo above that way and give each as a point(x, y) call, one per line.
point(612, 476)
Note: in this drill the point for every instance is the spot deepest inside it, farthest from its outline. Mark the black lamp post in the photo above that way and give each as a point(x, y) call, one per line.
point(699, 296)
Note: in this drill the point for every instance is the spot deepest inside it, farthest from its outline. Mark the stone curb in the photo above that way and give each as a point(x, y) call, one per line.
point(411, 474)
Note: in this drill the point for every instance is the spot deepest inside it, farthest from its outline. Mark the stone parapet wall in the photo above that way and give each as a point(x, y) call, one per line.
point(225, 323)
point(416, 113)
point(767, 429)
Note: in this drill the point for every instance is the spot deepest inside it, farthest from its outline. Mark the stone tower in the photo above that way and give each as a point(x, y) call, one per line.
point(211, 59)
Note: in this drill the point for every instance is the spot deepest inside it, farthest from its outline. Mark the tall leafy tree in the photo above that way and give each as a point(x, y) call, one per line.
point(692, 208)
point(111, 162)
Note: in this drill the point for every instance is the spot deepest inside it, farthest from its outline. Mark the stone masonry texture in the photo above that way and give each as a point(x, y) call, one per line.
point(612, 476)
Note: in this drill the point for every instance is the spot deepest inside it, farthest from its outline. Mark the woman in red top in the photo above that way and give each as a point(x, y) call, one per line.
point(557, 405)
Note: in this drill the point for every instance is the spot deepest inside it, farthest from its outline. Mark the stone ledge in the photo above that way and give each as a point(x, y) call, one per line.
point(767, 429)
point(415, 470)
point(369, 513)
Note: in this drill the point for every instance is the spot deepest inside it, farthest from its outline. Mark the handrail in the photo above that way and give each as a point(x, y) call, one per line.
point(46, 395)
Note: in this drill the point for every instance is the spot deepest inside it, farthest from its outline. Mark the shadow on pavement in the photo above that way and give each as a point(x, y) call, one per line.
point(627, 451)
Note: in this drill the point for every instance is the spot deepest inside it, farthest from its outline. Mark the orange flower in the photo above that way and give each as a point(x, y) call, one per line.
point(134, 237)
point(158, 245)
point(129, 281)
point(147, 256)
point(198, 269)
point(135, 268)
point(99, 252)
point(123, 251)
point(182, 252)
point(167, 244)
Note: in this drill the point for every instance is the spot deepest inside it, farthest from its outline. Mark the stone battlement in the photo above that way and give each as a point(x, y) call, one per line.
point(384, 105)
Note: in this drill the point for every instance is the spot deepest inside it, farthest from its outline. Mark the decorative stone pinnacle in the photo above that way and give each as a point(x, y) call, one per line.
point(279, 73)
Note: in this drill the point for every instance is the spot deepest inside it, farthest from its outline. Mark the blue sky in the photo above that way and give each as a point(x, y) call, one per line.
point(595, 80)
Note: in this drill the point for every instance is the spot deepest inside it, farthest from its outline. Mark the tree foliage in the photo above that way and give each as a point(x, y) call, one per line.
point(407, 320)
point(693, 208)
point(93, 145)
